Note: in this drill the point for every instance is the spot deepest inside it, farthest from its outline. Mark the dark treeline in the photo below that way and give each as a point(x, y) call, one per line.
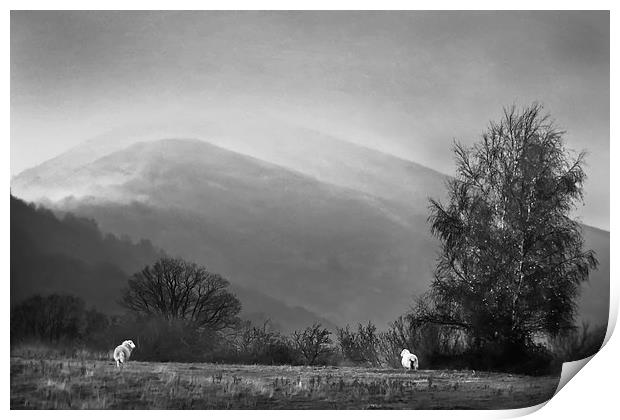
point(56, 319)
point(64, 322)
point(70, 255)
point(79, 237)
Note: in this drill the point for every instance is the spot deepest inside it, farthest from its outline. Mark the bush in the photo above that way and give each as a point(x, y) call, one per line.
point(313, 344)
point(433, 345)
point(360, 347)
point(263, 345)
point(166, 340)
point(578, 343)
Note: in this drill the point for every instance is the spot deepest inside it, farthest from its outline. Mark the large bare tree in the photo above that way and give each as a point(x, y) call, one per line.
point(176, 289)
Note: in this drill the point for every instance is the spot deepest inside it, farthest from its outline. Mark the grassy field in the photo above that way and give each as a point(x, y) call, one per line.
point(96, 384)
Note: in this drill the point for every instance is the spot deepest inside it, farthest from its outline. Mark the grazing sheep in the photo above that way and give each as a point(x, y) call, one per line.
point(409, 360)
point(122, 352)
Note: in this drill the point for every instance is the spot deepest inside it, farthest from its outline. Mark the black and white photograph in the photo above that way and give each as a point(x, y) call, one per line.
point(306, 209)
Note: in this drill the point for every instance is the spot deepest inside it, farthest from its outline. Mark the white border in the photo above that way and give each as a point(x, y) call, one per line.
point(308, 5)
point(591, 395)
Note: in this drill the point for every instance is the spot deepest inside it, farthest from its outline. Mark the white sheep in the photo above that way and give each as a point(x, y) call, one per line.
point(122, 352)
point(409, 360)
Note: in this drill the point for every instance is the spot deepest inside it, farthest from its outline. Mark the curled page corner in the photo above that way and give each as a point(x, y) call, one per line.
point(611, 322)
point(521, 412)
point(569, 370)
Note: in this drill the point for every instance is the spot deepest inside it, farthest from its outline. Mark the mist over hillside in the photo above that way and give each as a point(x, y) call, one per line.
point(317, 223)
point(311, 152)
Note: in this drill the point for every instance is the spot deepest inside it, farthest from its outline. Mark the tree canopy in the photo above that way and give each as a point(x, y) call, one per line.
point(178, 290)
point(512, 259)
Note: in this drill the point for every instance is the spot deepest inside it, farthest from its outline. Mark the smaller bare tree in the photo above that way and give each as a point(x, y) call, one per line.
point(360, 346)
point(312, 343)
point(262, 344)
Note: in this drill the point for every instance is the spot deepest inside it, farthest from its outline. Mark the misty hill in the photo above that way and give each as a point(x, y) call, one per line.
point(335, 228)
point(70, 255)
point(403, 184)
point(311, 152)
point(328, 249)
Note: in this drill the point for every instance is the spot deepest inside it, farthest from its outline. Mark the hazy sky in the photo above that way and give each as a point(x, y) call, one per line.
point(407, 83)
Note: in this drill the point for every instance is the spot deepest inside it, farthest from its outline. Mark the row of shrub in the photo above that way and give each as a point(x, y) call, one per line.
point(65, 323)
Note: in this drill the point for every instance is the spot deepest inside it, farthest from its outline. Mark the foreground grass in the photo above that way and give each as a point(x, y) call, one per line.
point(95, 384)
